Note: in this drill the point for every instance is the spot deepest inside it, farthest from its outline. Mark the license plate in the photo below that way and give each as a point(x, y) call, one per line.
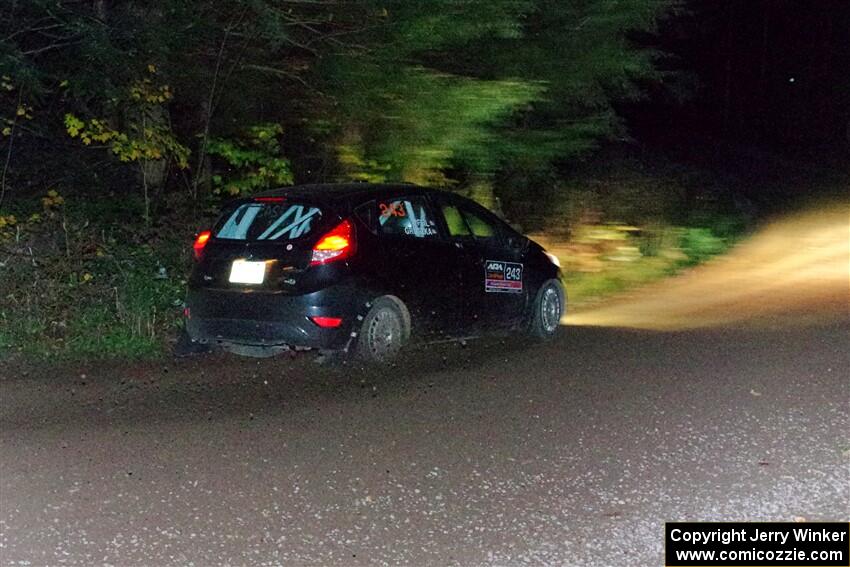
point(246, 272)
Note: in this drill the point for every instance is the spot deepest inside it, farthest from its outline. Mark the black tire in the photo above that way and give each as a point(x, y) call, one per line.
point(546, 311)
point(385, 329)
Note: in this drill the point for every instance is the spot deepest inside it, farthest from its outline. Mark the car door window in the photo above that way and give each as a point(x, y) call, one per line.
point(482, 229)
point(408, 216)
point(455, 224)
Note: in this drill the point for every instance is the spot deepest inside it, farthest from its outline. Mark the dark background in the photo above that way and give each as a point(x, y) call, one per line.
point(771, 74)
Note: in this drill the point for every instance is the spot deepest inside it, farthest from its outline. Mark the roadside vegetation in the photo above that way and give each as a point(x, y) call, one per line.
point(82, 279)
point(627, 220)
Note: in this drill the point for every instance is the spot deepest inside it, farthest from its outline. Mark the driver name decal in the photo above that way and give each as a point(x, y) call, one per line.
point(502, 277)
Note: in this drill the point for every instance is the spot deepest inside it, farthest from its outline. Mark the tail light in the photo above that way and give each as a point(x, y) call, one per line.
point(338, 244)
point(327, 322)
point(200, 242)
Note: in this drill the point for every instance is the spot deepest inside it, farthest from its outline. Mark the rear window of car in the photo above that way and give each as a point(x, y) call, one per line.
point(268, 221)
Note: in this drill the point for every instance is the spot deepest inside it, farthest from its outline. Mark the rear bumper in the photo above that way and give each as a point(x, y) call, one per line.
point(272, 319)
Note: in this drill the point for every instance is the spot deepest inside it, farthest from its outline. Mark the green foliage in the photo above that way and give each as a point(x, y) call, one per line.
point(255, 161)
point(147, 135)
point(79, 280)
point(436, 92)
point(587, 287)
point(604, 259)
point(700, 243)
point(618, 223)
point(485, 86)
point(581, 50)
point(419, 123)
point(624, 262)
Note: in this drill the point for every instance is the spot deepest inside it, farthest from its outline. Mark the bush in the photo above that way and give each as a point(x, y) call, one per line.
point(77, 280)
point(699, 244)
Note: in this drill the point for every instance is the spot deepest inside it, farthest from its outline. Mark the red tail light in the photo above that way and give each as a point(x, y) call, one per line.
point(327, 322)
point(269, 199)
point(200, 242)
point(338, 244)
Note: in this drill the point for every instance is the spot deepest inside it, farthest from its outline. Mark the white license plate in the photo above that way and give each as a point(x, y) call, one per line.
point(246, 272)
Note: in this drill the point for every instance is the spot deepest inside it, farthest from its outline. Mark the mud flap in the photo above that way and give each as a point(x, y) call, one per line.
point(185, 346)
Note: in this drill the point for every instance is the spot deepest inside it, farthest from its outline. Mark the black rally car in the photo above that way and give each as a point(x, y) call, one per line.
point(360, 268)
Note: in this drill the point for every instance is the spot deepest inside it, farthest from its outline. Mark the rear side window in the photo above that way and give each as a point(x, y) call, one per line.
point(366, 214)
point(268, 221)
point(410, 217)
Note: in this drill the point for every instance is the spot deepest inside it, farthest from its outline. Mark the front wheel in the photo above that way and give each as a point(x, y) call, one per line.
point(384, 331)
point(548, 308)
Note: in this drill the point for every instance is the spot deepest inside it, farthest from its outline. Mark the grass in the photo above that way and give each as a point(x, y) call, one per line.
point(584, 287)
point(78, 283)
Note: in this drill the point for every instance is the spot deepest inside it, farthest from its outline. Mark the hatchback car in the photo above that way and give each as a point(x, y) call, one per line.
point(360, 268)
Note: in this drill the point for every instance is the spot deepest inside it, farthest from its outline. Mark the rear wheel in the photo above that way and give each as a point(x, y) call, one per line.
point(384, 331)
point(548, 308)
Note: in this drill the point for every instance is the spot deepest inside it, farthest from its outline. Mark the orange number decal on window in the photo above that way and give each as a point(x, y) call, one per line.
point(392, 210)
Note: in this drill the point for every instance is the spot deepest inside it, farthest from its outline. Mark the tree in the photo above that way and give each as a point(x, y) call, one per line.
point(481, 87)
point(229, 65)
point(446, 92)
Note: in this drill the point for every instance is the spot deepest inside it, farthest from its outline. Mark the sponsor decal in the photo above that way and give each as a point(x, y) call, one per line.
point(502, 277)
point(420, 227)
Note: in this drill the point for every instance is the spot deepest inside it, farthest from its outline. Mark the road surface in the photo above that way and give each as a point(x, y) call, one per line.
point(499, 452)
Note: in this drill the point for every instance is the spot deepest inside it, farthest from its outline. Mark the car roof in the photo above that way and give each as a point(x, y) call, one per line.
point(344, 191)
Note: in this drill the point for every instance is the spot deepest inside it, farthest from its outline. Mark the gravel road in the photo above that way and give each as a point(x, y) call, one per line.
point(500, 453)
